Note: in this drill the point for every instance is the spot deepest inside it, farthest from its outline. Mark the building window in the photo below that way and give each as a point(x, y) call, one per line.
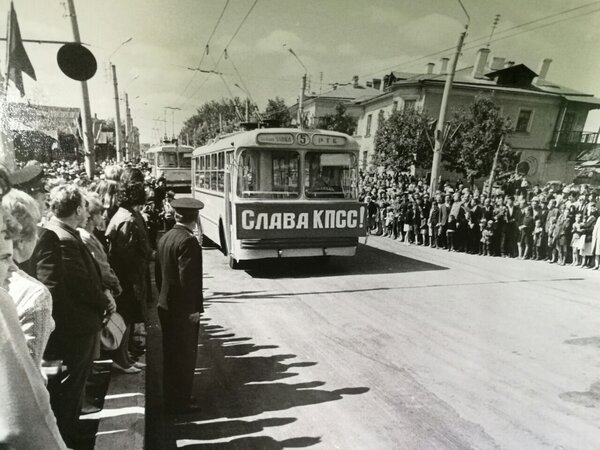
point(368, 132)
point(380, 118)
point(409, 105)
point(524, 121)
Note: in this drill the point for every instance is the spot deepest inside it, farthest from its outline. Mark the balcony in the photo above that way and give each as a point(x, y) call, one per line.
point(569, 140)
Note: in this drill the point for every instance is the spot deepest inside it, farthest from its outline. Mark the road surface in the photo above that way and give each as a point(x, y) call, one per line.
point(401, 347)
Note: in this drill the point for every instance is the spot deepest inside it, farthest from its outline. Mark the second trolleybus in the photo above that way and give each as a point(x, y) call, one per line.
point(174, 162)
point(279, 192)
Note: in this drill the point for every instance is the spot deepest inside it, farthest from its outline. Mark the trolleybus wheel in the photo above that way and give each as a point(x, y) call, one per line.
point(223, 242)
point(233, 263)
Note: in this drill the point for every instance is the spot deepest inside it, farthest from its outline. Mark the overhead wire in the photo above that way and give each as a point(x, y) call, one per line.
point(226, 47)
point(206, 50)
point(480, 39)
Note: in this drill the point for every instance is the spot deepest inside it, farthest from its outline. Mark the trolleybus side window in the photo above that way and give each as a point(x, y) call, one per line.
point(329, 175)
point(221, 172)
point(200, 174)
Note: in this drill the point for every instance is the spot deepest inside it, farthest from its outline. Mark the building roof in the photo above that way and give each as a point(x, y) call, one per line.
point(465, 76)
point(346, 92)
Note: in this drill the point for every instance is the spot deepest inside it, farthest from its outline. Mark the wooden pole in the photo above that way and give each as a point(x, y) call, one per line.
point(86, 120)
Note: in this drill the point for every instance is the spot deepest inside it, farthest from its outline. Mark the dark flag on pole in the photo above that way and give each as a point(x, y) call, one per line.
point(17, 60)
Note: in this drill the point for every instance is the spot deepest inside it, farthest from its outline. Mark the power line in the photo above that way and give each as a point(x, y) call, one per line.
point(480, 39)
point(206, 47)
point(226, 47)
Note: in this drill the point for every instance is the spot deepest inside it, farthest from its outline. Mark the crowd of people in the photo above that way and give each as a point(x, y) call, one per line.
point(554, 222)
point(72, 252)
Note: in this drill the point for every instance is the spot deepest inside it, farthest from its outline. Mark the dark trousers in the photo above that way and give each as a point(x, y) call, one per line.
point(180, 342)
point(79, 352)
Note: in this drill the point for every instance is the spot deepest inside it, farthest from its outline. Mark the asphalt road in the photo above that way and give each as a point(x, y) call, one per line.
point(400, 347)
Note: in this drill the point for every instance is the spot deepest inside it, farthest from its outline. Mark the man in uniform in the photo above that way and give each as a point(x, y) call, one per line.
point(179, 281)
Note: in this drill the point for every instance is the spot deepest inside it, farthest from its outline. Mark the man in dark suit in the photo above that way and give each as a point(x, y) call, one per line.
point(78, 309)
point(180, 303)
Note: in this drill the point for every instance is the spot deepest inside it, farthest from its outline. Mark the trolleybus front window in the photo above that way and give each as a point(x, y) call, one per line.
point(330, 175)
point(167, 159)
point(185, 160)
point(268, 174)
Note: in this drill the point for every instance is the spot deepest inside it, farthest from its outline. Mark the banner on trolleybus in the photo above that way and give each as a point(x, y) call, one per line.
point(271, 220)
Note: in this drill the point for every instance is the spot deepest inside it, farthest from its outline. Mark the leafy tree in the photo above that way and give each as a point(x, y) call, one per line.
point(479, 128)
point(340, 121)
point(278, 112)
point(401, 141)
point(209, 117)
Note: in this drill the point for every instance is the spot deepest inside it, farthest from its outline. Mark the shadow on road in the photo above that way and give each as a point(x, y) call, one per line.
point(368, 261)
point(232, 385)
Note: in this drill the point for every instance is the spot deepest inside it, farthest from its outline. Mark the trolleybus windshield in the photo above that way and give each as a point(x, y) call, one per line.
point(268, 174)
point(167, 159)
point(329, 175)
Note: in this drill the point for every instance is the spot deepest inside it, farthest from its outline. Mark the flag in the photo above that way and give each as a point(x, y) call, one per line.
point(17, 60)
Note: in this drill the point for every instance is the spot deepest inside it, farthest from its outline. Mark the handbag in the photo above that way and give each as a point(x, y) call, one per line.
point(113, 331)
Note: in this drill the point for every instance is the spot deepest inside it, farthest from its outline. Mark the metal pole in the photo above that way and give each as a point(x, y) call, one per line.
point(117, 114)
point(127, 129)
point(301, 103)
point(86, 122)
point(439, 130)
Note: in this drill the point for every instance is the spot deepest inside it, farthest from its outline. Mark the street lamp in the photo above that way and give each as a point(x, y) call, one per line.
point(127, 41)
point(301, 99)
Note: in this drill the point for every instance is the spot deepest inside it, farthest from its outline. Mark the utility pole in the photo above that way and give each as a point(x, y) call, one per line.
point(127, 129)
point(301, 103)
point(441, 123)
point(86, 120)
point(117, 115)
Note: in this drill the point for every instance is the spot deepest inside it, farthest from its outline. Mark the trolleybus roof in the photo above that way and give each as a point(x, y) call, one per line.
point(281, 137)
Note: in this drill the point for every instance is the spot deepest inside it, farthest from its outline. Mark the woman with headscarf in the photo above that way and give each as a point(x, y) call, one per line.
point(129, 255)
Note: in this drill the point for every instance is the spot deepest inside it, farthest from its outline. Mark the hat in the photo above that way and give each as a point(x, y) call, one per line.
point(187, 203)
point(29, 178)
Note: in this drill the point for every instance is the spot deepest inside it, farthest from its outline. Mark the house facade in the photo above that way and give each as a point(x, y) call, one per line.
point(548, 119)
point(317, 106)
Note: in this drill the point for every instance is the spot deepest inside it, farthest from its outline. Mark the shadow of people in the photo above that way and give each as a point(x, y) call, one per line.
point(232, 386)
point(257, 443)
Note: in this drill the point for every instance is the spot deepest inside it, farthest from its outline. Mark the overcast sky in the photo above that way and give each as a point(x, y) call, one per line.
point(335, 38)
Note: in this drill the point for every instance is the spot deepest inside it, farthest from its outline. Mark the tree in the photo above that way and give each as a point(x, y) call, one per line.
point(215, 117)
point(401, 141)
point(278, 112)
point(340, 121)
point(479, 129)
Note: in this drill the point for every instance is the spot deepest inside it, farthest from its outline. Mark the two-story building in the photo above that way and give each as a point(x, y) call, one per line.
point(317, 106)
point(548, 119)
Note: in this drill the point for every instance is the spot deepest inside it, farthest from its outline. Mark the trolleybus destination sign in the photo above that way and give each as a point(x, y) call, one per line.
point(256, 220)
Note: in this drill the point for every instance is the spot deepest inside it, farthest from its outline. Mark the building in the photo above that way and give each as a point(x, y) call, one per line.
point(317, 106)
point(548, 119)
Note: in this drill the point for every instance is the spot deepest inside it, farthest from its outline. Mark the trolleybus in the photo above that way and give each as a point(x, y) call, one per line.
point(279, 192)
point(174, 162)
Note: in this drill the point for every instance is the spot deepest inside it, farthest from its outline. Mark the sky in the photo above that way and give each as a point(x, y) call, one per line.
point(334, 39)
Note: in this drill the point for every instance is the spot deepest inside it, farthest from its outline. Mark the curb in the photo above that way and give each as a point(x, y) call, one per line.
point(122, 420)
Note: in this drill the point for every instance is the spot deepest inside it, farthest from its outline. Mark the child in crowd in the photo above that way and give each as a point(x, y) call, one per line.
point(389, 222)
point(450, 232)
point(576, 243)
point(538, 239)
point(553, 241)
point(487, 236)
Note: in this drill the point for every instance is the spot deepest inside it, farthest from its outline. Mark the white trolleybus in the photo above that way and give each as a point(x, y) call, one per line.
point(279, 192)
point(174, 162)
